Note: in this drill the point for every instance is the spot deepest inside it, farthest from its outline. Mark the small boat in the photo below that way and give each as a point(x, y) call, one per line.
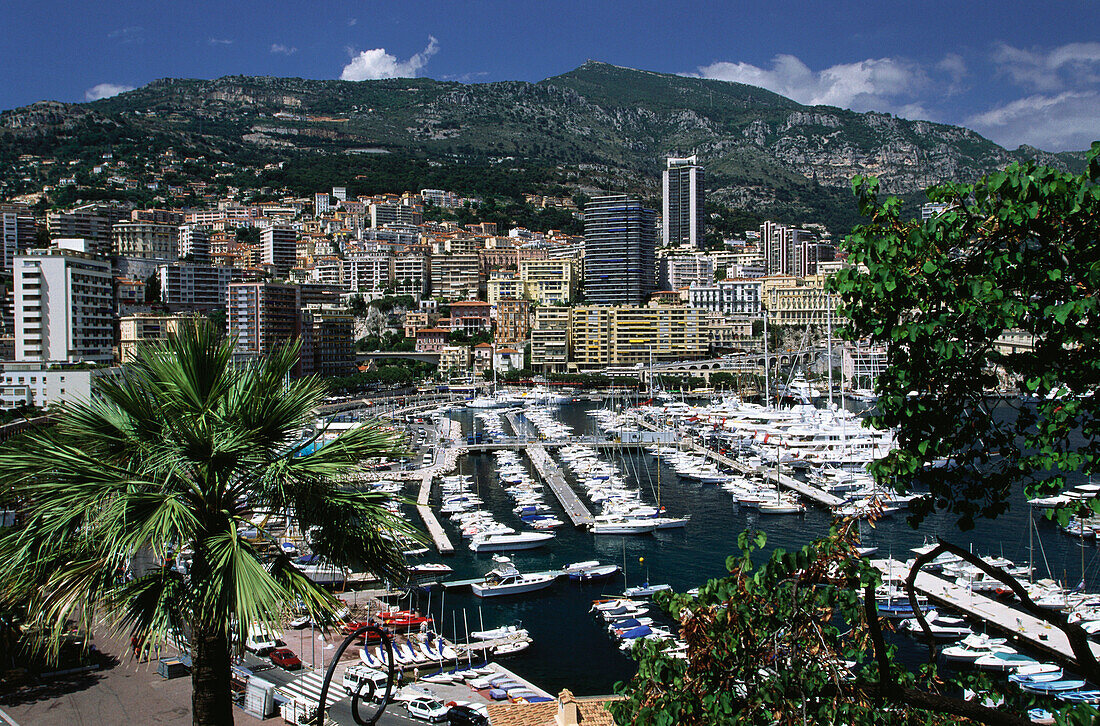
point(579, 567)
point(597, 573)
point(503, 631)
point(1004, 661)
point(440, 678)
point(1036, 678)
point(511, 647)
point(1053, 686)
point(299, 622)
point(645, 590)
point(1083, 696)
point(623, 525)
point(430, 568)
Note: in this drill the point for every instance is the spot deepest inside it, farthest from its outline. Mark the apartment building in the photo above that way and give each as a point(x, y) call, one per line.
point(626, 336)
point(331, 338)
point(455, 277)
point(550, 340)
point(737, 296)
point(620, 239)
point(513, 322)
point(549, 282)
point(368, 273)
point(684, 197)
point(135, 330)
point(260, 315)
point(47, 384)
point(412, 274)
point(279, 249)
point(17, 233)
point(62, 307)
point(798, 301)
point(187, 286)
point(503, 286)
point(677, 271)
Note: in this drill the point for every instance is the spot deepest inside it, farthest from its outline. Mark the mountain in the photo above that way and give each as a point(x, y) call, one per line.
point(597, 127)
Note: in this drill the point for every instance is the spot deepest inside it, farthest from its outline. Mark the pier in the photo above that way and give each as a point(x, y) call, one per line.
point(1018, 624)
point(550, 473)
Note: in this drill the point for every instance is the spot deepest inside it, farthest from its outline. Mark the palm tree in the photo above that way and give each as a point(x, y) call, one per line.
point(179, 453)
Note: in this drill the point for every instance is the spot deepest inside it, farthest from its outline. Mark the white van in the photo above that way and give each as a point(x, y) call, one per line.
point(356, 675)
point(261, 639)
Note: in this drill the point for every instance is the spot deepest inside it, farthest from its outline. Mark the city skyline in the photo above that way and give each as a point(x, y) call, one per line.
point(1017, 73)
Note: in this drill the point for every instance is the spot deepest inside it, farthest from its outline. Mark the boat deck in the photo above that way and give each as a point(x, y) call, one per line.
point(1017, 623)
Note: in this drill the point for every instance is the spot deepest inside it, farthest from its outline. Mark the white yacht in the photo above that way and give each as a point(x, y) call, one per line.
point(508, 542)
point(505, 579)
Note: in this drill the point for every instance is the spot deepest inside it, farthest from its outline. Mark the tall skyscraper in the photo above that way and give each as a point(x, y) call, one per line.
point(620, 238)
point(684, 197)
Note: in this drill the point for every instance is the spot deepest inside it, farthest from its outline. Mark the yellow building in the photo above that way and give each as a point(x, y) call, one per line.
point(454, 362)
point(133, 330)
point(797, 300)
point(503, 286)
point(625, 336)
point(550, 339)
point(549, 282)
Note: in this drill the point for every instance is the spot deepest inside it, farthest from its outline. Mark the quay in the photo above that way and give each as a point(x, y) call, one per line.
point(445, 462)
point(1020, 625)
point(550, 473)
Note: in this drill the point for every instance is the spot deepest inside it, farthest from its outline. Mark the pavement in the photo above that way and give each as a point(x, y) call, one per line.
point(125, 692)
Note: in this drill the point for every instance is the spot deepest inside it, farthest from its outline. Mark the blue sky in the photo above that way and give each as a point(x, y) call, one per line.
point(1018, 72)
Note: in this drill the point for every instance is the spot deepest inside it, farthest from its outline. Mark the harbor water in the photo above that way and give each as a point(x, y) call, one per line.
point(572, 649)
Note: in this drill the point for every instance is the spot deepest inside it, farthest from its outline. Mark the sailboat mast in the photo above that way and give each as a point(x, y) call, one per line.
point(767, 363)
point(828, 300)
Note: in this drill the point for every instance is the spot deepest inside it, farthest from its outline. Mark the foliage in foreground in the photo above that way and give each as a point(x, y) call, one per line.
point(181, 453)
point(791, 643)
point(1019, 251)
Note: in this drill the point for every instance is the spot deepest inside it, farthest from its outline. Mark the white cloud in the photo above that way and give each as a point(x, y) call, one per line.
point(284, 49)
point(377, 63)
point(352, 21)
point(134, 34)
point(881, 84)
point(220, 41)
point(1063, 67)
point(1065, 121)
point(105, 90)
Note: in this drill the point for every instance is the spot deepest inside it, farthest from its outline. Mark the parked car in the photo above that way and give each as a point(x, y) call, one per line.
point(465, 716)
point(285, 658)
point(427, 709)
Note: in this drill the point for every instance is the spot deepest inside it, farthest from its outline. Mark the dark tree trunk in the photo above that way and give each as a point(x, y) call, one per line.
point(211, 703)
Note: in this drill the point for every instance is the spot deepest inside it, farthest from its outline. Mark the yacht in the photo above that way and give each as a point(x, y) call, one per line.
point(505, 579)
point(508, 542)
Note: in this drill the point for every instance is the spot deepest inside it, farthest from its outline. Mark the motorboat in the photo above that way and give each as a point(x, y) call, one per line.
point(504, 631)
point(1002, 662)
point(1053, 686)
point(430, 568)
point(505, 579)
point(596, 573)
point(973, 647)
point(645, 590)
point(623, 525)
point(511, 647)
point(509, 542)
point(939, 626)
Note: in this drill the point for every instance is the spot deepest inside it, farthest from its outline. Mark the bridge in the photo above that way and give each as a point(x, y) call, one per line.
point(519, 444)
point(423, 357)
point(733, 363)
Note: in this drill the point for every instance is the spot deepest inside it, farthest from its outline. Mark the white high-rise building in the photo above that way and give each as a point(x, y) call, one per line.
point(62, 307)
point(279, 249)
point(683, 214)
point(194, 243)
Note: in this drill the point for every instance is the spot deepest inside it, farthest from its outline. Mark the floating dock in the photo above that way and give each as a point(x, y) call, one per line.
point(435, 529)
point(551, 474)
point(1020, 625)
